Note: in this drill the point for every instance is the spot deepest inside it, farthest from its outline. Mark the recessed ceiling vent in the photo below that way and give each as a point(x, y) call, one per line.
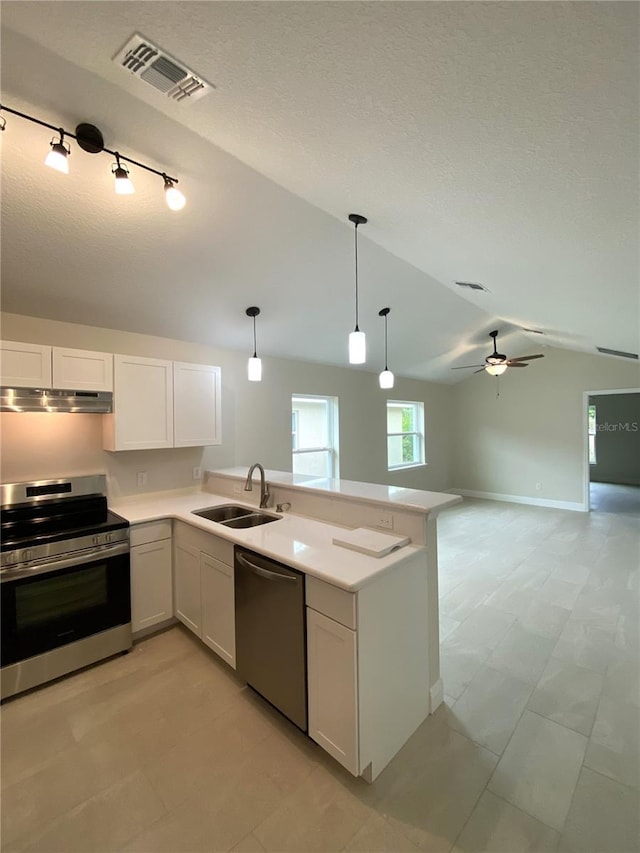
point(472, 285)
point(533, 331)
point(156, 67)
point(618, 352)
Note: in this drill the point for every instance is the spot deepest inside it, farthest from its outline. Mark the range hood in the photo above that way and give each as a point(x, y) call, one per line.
point(51, 400)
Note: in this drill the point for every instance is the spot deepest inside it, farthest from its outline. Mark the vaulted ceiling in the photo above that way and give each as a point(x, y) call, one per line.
point(486, 142)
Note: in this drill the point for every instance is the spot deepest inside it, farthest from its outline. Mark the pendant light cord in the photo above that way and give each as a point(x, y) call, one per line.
point(255, 348)
point(356, 239)
point(386, 365)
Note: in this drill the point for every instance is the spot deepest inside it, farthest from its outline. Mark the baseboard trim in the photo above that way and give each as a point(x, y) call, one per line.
point(520, 499)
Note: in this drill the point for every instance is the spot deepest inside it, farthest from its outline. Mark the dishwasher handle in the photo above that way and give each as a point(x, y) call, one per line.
point(264, 573)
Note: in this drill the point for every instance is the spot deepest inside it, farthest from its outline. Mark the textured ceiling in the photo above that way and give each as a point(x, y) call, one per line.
point(489, 142)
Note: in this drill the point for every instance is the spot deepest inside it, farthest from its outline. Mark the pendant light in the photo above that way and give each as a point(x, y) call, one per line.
point(123, 183)
point(254, 366)
point(357, 339)
point(58, 157)
point(174, 198)
point(386, 378)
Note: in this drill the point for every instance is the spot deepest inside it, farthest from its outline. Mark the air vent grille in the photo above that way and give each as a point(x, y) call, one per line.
point(618, 352)
point(472, 285)
point(533, 331)
point(157, 68)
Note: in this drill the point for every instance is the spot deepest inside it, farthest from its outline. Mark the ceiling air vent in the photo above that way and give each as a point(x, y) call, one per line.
point(156, 67)
point(618, 352)
point(472, 285)
point(533, 331)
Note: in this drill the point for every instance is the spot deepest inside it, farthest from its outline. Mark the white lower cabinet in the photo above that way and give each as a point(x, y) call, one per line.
point(151, 575)
point(333, 688)
point(204, 590)
point(218, 607)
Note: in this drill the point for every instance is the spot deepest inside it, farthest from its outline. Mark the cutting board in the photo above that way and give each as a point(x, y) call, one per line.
point(370, 542)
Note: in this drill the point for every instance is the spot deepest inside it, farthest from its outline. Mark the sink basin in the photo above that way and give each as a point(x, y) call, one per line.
point(232, 515)
point(224, 512)
point(252, 520)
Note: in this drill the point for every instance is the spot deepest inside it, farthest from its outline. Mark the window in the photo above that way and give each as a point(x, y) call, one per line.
point(592, 435)
point(314, 435)
point(405, 434)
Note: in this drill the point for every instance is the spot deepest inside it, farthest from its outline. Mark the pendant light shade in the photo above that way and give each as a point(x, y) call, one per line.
point(386, 377)
point(357, 339)
point(58, 156)
point(254, 366)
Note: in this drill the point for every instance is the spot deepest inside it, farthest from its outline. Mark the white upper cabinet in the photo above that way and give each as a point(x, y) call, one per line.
point(35, 366)
point(196, 405)
point(25, 365)
point(142, 415)
point(82, 370)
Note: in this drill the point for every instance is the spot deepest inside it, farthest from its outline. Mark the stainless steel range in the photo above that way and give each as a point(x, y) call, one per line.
point(65, 580)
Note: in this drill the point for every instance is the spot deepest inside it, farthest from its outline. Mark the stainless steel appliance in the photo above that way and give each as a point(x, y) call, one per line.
point(65, 590)
point(271, 653)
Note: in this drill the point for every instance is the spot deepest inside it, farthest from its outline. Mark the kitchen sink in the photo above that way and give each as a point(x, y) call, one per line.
point(224, 512)
point(239, 517)
point(252, 520)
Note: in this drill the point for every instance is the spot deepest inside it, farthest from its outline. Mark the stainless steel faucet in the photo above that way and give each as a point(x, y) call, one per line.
point(264, 486)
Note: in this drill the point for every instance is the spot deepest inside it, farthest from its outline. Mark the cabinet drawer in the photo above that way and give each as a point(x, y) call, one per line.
point(151, 531)
point(336, 603)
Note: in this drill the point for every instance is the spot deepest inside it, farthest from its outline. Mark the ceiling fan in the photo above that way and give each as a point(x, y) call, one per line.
point(496, 363)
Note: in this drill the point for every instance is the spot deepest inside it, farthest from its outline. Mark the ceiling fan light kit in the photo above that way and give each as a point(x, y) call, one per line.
point(497, 363)
point(89, 138)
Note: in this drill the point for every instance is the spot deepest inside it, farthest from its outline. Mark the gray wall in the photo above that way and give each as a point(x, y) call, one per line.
point(256, 418)
point(617, 439)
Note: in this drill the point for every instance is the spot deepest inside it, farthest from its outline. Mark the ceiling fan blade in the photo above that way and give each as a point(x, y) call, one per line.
point(479, 371)
point(468, 367)
point(525, 357)
point(517, 364)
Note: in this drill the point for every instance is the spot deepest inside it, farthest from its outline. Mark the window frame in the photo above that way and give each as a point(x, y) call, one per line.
point(418, 434)
point(332, 427)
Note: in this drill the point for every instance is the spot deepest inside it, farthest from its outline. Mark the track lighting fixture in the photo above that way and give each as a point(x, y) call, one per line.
point(254, 366)
point(357, 339)
point(89, 138)
point(386, 377)
point(58, 156)
point(124, 186)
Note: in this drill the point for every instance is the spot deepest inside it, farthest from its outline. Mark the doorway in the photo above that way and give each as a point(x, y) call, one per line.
point(612, 451)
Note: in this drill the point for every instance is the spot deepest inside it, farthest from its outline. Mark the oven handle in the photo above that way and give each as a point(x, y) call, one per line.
point(12, 573)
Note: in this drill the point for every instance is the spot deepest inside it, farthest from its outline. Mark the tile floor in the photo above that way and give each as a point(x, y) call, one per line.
point(535, 749)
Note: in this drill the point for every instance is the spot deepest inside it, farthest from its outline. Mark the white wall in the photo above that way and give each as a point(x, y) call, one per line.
point(533, 432)
point(256, 418)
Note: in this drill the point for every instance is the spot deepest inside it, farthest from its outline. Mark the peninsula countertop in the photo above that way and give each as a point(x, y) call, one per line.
point(298, 541)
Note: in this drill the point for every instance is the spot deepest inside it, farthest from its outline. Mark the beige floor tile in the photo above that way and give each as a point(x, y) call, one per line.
point(489, 709)
point(447, 626)
point(496, 826)
point(510, 598)
point(522, 654)
point(104, 822)
point(568, 694)
point(558, 592)
point(377, 836)
point(604, 817)
point(459, 662)
point(614, 746)
point(485, 626)
point(622, 680)
point(541, 617)
point(585, 644)
point(539, 769)
point(466, 596)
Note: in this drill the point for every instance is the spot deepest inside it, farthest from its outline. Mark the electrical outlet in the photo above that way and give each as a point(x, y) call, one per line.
point(197, 473)
point(141, 478)
point(538, 486)
point(236, 489)
point(385, 520)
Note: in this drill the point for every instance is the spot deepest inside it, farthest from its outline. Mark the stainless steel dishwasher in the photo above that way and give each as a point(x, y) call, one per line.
point(271, 653)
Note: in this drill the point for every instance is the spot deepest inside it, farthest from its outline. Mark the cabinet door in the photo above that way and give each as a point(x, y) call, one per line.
point(197, 417)
point(82, 370)
point(186, 586)
point(333, 685)
point(25, 365)
point(218, 608)
point(142, 406)
point(151, 584)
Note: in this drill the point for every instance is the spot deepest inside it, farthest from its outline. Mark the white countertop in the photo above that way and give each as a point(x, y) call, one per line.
point(304, 543)
point(416, 500)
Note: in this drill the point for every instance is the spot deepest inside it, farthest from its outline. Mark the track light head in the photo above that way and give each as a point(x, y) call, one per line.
point(58, 156)
point(123, 183)
point(175, 199)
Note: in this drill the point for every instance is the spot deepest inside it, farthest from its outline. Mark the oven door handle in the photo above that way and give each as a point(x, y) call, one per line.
point(11, 573)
